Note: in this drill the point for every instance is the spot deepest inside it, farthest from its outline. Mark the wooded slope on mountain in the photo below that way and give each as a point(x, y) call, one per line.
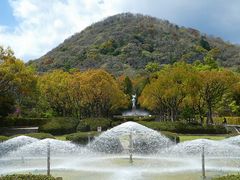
point(125, 43)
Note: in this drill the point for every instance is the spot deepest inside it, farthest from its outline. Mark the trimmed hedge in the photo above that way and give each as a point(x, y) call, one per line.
point(134, 118)
point(3, 138)
point(91, 124)
point(59, 126)
point(230, 120)
point(185, 128)
point(27, 177)
point(82, 137)
point(39, 135)
point(228, 177)
point(13, 122)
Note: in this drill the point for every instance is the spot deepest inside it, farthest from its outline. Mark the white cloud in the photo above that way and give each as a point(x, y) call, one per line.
point(42, 25)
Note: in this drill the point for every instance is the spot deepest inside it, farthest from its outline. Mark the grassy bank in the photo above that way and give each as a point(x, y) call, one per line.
point(189, 137)
point(28, 177)
point(228, 177)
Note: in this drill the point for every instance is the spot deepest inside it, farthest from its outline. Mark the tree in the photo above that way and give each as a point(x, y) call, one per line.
point(152, 67)
point(127, 86)
point(54, 88)
point(203, 42)
point(91, 93)
point(101, 93)
point(6, 105)
point(214, 85)
point(167, 92)
point(17, 81)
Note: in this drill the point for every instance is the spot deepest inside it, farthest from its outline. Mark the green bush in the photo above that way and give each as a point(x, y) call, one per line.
point(10, 122)
point(185, 128)
point(116, 123)
point(228, 177)
point(59, 126)
point(230, 120)
point(82, 137)
point(134, 118)
point(27, 177)
point(91, 124)
point(3, 138)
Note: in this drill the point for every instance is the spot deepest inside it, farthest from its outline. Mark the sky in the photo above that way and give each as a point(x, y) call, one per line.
point(34, 27)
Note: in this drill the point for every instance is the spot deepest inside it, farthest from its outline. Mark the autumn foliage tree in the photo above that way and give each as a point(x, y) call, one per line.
point(17, 81)
point(183, 89)
point(93, 93)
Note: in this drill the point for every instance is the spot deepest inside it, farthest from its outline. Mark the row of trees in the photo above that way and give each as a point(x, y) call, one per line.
point(192, 91)
point(173, 91)
point(80, 94)
point(91, 93)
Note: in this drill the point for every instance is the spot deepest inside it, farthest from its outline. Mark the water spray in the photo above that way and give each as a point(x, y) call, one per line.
point(203, 164)
point(48, 158)
point(130, 148)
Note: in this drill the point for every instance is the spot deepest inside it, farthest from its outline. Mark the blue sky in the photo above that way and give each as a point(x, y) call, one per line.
point(33, 27)
point(6, 15)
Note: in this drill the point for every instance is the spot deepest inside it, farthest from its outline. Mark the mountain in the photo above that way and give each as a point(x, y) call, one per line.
point(126, 42)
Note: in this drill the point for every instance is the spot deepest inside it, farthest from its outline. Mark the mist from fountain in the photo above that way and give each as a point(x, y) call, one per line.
point(145, 140)
point(107, 156)
point(212, 148)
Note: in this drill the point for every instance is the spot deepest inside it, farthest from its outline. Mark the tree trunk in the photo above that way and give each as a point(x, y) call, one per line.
point(209, 115)
point(172, 115)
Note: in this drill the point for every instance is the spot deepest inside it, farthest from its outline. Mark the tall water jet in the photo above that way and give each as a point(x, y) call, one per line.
point(48, 158)
point(130, 148)
point(144, 140)
point(203, 164)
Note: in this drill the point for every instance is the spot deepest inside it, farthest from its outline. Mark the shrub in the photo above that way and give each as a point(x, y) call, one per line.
point(27, 176)
point(185, 128)
point(59, 126)
point(81, 137)
point(134, 118)
point(228, 177)
point(10, 122)
point(116, 123)
point(3, 138)
point(230, 120)
point(91, 124)
point(40, 135)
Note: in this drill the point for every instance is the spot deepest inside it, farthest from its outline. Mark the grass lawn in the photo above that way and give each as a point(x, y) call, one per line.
point(185, 137)
point(62, 137)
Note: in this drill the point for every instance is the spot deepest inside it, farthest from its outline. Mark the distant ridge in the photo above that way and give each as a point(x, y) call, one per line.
point(125, 43)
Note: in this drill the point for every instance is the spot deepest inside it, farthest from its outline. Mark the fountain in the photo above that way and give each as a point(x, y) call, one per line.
point(128, 151)
point(135, 111)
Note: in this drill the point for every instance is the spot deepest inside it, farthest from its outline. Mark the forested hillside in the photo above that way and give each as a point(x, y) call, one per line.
point(126, 42)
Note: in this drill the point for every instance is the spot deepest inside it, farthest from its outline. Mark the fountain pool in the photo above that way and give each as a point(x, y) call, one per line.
point(107, 157)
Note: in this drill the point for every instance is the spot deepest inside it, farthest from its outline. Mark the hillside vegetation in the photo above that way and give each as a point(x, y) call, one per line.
point(126, 43)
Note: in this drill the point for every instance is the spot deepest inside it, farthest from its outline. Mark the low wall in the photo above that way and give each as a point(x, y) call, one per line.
point(15, 130)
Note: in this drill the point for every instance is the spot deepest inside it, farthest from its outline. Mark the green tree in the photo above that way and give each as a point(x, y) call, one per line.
point(166, 93)
point(214, 85)
point(127, 86)
point(17, 81)
point(204, 43)
point(152, 67)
